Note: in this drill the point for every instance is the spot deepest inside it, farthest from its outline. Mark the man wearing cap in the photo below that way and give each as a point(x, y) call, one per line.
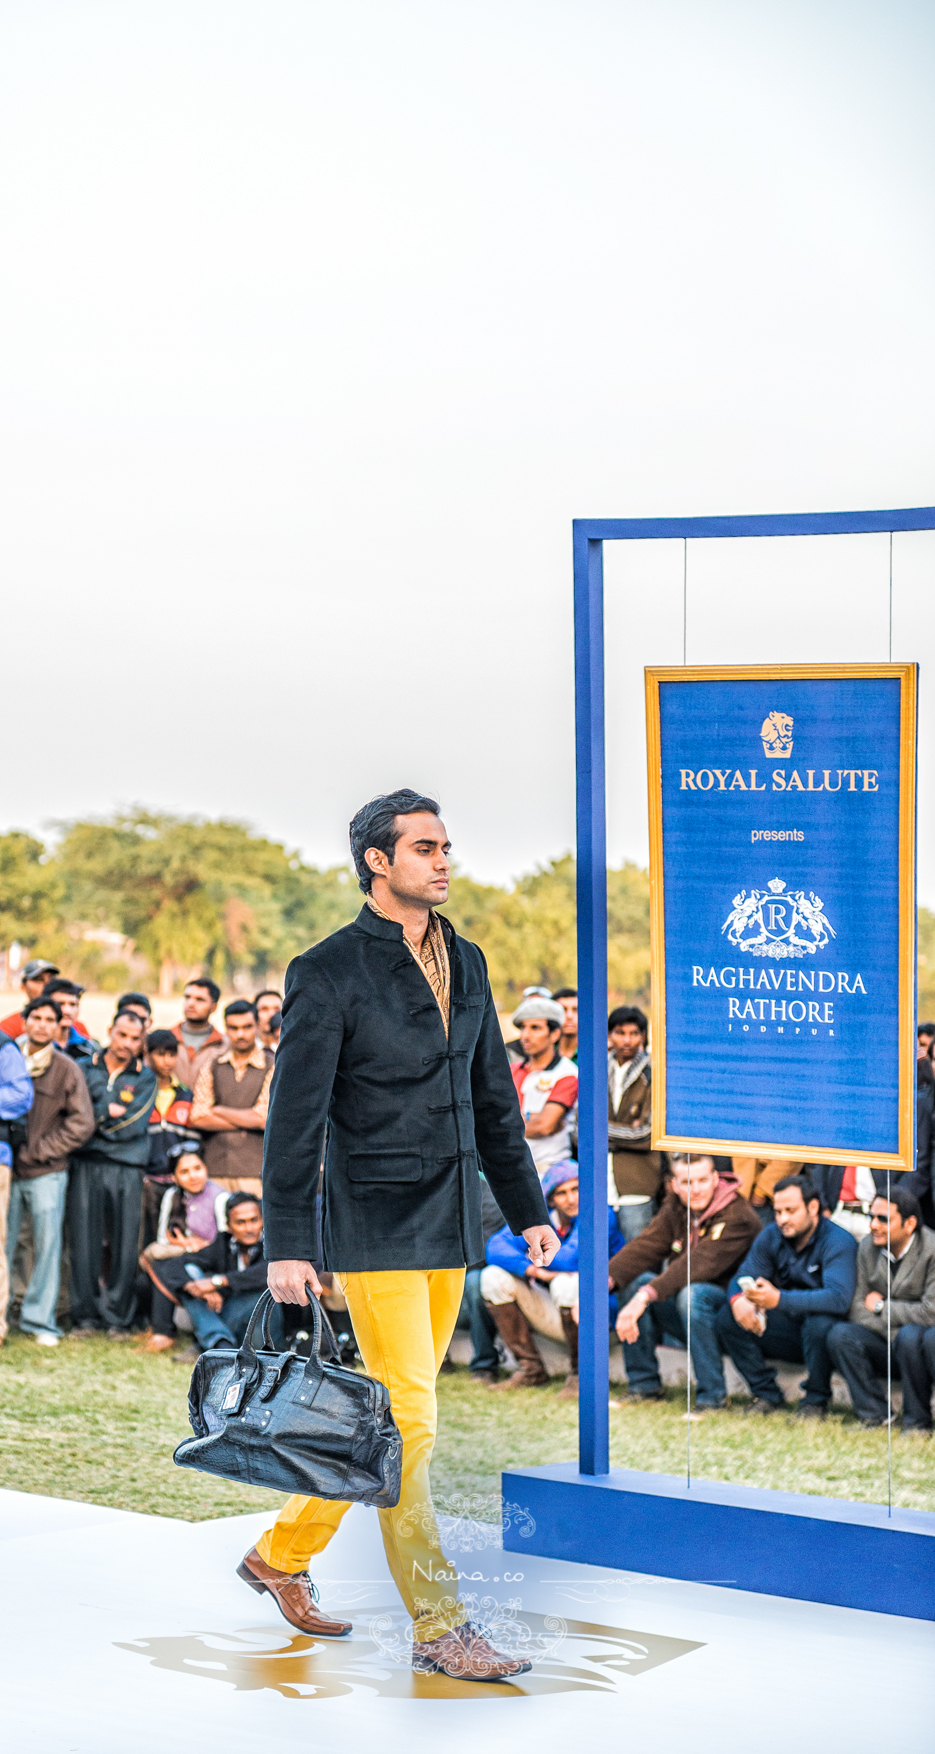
point(546, 1083)
point(33, 979)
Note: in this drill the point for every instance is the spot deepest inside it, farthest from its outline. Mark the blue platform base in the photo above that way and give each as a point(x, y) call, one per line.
point(777, 1543)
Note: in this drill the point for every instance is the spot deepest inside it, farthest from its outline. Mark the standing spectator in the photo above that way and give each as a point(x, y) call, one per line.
point(268, 1005)
point(197, 1037)
point(169, 1123)
point(16, 1098)
point(546, 1084)
point(230, 1104)
point(138, 1004)
point(60, 1120)
point(523, 1298)
point(895, 1268)
point(758, 1177)
point(105, 1193)
point(796, 1282)
point(67, 995)
point(32, 980)
point(635, 1170)
point(653, 1269)
point(925, 1035)
point(567, 997)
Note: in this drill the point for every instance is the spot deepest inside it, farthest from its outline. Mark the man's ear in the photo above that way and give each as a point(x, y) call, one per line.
point(372, 858)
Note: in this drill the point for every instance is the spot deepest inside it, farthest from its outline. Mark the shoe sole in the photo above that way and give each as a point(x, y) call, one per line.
point(262, 1589)
point(439, 1669)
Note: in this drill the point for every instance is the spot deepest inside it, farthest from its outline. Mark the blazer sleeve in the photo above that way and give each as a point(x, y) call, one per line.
point(300, 1098)
point(499, 1133)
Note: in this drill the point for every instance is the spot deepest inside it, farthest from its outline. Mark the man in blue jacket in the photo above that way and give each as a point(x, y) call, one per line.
point(795, 1284)
point(16, 1095)
point(522, 1297)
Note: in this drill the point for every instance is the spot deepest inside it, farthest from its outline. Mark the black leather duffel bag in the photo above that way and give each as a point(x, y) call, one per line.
point(296, 1424)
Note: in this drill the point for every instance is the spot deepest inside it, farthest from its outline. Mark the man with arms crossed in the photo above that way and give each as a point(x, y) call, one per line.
point(390, 1040)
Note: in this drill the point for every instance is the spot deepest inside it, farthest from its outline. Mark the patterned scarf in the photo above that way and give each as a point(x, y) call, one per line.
point(432, 958)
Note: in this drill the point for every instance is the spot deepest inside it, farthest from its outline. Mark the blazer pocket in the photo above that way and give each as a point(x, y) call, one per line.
point(384, 1166)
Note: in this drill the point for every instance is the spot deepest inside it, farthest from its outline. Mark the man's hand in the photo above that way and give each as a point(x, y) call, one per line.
point(874, 1302)
point(542, 1243)
point(628, 1319)
point(206, 1293)
point(287, 1281)
point(763, 1295)
point(542, 1275)
point(747, 1315)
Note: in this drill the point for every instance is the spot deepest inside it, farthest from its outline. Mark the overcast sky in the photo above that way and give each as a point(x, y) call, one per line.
point(321, 321)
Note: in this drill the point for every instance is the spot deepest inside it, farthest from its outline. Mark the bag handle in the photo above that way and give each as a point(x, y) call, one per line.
point(247, 1361)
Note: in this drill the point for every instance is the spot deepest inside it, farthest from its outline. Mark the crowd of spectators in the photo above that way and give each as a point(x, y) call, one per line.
point(138, 1163)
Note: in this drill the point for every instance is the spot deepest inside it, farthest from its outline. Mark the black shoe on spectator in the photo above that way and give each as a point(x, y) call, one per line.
point(810, 1410)
point(188, 1355)
point(916, 1431)
point(634, 1400)
point(486, 1378)
point(761, 1405)
point(878, 1424)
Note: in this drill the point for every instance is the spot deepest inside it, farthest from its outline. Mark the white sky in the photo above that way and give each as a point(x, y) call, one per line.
point(319, 322)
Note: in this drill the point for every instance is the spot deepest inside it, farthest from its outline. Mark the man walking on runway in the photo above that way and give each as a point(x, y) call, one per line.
point(391, 1043)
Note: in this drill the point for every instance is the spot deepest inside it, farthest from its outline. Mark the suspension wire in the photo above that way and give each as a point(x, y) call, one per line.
point(685, 598)
point(688, 1339)
point(889, 1346)
point(891, 598)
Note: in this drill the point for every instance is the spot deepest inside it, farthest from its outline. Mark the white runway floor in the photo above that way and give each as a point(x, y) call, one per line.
point(126, 1634)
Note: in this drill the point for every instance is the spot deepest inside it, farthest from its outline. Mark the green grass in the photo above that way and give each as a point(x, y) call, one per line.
point(96, 1421)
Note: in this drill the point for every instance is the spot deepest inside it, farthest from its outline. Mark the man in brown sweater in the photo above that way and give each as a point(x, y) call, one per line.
point(230, 1104)
point(61, 1119)
point(653, 1270)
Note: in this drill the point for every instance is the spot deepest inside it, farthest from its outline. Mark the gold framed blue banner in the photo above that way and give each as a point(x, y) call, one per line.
point(782, 807)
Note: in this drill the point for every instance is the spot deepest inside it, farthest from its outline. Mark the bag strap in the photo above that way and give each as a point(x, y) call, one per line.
point(247, 1361)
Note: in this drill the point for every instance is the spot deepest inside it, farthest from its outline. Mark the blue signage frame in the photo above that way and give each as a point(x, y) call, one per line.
point(589, 536)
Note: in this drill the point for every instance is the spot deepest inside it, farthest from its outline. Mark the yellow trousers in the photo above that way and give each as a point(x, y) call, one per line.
point(403, 1323)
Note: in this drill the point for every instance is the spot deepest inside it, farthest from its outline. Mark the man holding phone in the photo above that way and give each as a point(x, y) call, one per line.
point(392, 1052)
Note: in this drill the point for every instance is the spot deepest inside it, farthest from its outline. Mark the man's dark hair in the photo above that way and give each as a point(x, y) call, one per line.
point(375, 826)
point(565, 993)
point(126, 1000)
point(628, 1014)
point(239, 1008)
point(267, 993)
point(61, 985)
point(239, 1199)
point(906, 1204)
point(925, 1029)
point(209, 986)
point(134, 1017)
point(45, 999)
point(160, 1041)
point(805, 1185)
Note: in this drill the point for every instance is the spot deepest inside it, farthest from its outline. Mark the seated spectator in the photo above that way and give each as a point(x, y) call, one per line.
point(220, 1290)
point(895, 1278)
point(522, 1297)
point(61, 1119)
point(546, 1084)
point(33, 980)
point(268, 1006)
point(230, 1103)
point(169, 1121)
point(192, 1210)
point(796, 1282)
point(16, 1097)
point(67, 995)
point(567, 997)
point(197, 1037)
point(635, 1172)
point(652, 1272)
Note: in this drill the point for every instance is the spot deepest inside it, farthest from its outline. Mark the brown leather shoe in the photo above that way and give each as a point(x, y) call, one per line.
point(294, 1594)
point(157, 1343)
point(515, 1330)
point(465, 1655)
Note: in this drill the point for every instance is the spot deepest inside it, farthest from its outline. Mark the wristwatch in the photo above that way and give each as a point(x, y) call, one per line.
point(880, 1305)
point(217, 1279)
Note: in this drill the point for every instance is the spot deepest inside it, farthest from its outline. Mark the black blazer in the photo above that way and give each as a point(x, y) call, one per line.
point(410, 1117)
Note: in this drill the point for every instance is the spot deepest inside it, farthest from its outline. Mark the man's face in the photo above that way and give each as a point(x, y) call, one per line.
point(197, 1004)
point(792, 1215)
point(68, 1005)
point(142, 1012)
point(246, 1223)
point(923, 1043)
point(266, 1007)
point(41, 1026)
point(163, 1060)
point(626, 1039)
point(421, 869)
point(894, 1236)
point(536, 1035)
point(126, 1039)
point(703, 1178)
point(565, 1198)
point(570, 1008)
point(34, 987)
point(191, 1174)
point(241, 1031)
